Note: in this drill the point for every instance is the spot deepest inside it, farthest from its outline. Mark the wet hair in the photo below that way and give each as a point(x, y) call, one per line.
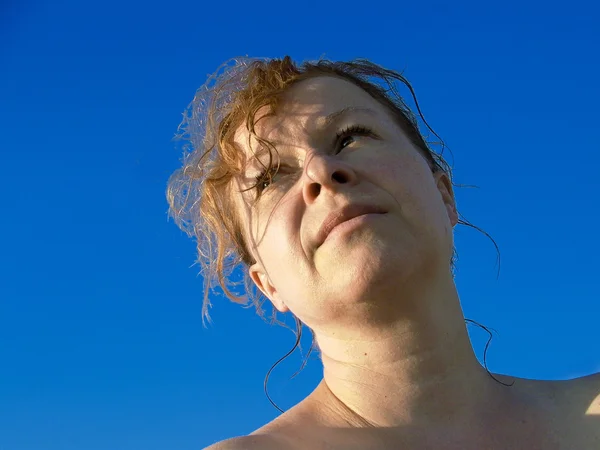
point(200, 194)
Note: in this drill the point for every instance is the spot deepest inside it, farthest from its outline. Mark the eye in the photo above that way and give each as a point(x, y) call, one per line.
point(347, 136)
point(343, 139)
point(277, 176)
point(264, 179)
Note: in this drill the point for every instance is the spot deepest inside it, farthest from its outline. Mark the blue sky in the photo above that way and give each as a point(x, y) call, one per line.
point(101, 340)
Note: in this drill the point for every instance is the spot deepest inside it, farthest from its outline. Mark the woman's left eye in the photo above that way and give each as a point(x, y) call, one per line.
point(347, 136)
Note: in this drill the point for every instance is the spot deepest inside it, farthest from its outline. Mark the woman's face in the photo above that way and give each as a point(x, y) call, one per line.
point(341, 157)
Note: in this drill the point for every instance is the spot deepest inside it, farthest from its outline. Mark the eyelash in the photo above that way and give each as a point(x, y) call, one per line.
point(352, 130)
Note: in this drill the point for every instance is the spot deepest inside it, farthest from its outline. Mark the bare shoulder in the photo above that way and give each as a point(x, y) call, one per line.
point(584, 394)
point(578, 410)
point(285, 432)
point(252, 442)
point(577, 395)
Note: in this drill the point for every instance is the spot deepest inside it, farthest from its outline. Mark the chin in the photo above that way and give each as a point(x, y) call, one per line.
point(374, 270)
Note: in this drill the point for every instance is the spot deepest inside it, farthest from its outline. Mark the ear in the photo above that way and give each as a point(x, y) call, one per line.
point(444, 185)
point(262, 282)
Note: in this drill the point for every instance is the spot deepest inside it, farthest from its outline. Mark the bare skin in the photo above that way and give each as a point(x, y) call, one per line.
point(540, 415)
point(399, 369)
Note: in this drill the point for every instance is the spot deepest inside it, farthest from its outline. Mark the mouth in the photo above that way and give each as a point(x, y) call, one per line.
point(346, 213)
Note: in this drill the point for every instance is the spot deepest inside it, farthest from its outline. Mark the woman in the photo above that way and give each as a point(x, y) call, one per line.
point(319, 181)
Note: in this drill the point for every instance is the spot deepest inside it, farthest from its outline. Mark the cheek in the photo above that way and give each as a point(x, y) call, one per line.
point(279, 243)
point(410, 181)
point(407, 178)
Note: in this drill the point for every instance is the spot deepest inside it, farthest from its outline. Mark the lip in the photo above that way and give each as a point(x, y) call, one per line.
point(348, 212)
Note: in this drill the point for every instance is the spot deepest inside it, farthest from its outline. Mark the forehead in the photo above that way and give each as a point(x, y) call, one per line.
point(304, 108)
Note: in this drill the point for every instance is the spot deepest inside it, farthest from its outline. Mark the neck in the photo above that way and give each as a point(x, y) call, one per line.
point(417, 369)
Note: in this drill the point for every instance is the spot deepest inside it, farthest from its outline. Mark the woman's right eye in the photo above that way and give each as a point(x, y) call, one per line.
point(264, 184)
point(265, 179)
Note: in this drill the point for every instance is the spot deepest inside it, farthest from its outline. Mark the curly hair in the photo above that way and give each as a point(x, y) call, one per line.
point(200, 193)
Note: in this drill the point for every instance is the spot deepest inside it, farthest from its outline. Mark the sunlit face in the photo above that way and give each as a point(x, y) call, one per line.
point(339, 152)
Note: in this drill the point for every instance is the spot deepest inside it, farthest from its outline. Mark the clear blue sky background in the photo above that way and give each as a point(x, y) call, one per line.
point(101, 341)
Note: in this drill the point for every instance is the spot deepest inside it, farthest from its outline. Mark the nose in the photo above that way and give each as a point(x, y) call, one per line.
point(324, 172)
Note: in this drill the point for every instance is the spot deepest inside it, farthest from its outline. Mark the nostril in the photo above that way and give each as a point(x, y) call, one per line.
point(339, 177)
point(315, 190)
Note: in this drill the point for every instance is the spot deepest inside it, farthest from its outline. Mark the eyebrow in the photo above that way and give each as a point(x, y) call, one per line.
point(333, 117)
